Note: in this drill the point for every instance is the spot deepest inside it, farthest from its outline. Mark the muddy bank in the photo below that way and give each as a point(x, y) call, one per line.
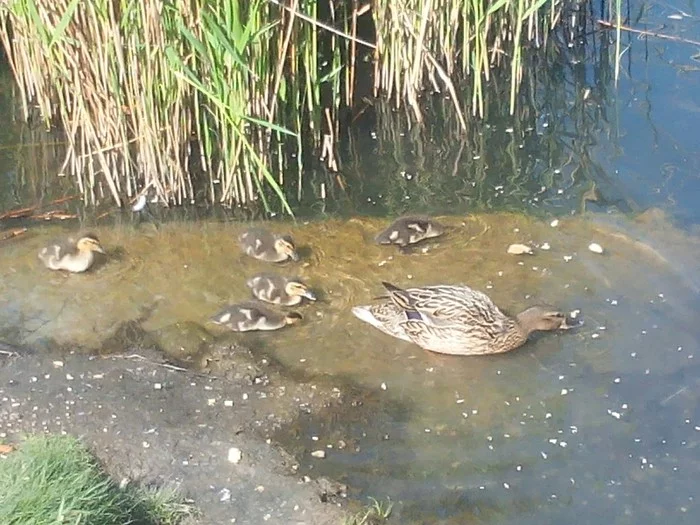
point(152, 423)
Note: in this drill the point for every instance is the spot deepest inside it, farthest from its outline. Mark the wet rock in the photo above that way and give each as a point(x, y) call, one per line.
point(595, 247)
point(329, 490)
point(519, 249)
point(182, 340)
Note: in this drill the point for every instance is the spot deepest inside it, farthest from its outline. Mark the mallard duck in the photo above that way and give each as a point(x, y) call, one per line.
point(410, 230)
point(266, 246)
point(249, 315)
point(273, 288)
point(456, 320)
point(71, 255)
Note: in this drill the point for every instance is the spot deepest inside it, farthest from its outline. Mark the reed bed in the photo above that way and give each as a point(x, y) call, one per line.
point(231, 101)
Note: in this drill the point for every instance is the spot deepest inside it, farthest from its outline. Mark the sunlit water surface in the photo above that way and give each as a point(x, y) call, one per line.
point(601, 422)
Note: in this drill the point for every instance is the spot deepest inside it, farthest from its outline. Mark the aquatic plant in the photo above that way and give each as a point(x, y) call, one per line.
point(231, 101)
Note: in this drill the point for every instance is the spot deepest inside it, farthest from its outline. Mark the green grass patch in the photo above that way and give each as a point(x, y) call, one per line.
point(55, 479)
point(376, 513)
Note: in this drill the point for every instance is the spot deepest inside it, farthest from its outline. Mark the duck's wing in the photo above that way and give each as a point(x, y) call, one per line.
point(386, 317)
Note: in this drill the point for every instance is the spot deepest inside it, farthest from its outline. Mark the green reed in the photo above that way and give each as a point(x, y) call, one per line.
point(230, 101)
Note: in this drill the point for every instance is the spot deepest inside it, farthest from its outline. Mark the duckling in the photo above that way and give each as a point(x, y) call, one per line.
point(71, 255)
point(410, 230)
point(456, 320)
point(276, 289)
point(249, 315)
point(266, 246)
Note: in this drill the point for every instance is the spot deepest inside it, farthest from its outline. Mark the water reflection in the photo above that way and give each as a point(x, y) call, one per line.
point(605, 418)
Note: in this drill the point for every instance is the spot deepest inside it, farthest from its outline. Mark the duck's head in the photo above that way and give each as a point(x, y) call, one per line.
point(292, 318)
point(297, 288)
point(89, 243)
point(543, 318)
point(284, 245)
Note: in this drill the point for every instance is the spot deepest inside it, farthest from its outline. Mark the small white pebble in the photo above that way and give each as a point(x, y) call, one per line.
point(383, 386)
point(244, 396)
point(554, 223)
point(57, 364)
point(211, 402)
point(548, 415)
point(519, 249)
point(595, 247)
point(228, 402)
point(69, 377)
point(157, 386)
point(545, 246)
point(320, 454)
point(567, 258)
point(146, 444)
point(505, 485)
point(595, 336)
point(234, 455)
point(616, 380)
point(224, 495)
point(564, 391)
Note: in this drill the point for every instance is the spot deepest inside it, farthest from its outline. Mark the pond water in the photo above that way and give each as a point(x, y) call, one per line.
point(592, 425)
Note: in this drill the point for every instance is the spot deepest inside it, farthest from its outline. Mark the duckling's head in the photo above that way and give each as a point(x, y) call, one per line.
point(544, 318)
point(89, 243)
point(292, 318)
point(285, 245)
point(435, 229)
point(297, 288)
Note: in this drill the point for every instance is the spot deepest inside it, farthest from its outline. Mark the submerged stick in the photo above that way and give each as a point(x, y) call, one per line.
point(610, 25)
point(12, 234)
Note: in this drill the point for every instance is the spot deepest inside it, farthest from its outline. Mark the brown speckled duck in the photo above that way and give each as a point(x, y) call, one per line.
point(71, 255)
point(276, 289)
point(267, 246)
point(456, 320)
point(405, 231)
point(250, 315)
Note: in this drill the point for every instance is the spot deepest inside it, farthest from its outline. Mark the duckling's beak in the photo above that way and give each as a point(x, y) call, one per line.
point(309, 295)
point(99, 248)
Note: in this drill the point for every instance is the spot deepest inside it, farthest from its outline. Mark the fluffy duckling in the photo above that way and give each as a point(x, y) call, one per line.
point(285, 291)
point(248, 316)
point(71, 255)
point(410, 230)
point(266, 246)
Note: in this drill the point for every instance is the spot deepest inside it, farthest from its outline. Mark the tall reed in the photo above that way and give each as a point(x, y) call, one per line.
point(230, 100)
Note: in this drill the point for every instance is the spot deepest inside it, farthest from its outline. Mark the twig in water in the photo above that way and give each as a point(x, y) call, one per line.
point(175, 368)
point(610, 25)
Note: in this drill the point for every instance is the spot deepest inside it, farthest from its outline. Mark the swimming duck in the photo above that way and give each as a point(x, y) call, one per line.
point(266, 246)
point(71, 255)
point(249, 315)
point(273, 288)
point(410, 230)
point(456, 320)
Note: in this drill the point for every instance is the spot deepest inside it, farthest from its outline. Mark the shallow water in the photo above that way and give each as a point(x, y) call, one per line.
point(600, 424)
point(601, 420)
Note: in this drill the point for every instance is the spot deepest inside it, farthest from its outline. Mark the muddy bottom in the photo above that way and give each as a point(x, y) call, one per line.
point(154, 424)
